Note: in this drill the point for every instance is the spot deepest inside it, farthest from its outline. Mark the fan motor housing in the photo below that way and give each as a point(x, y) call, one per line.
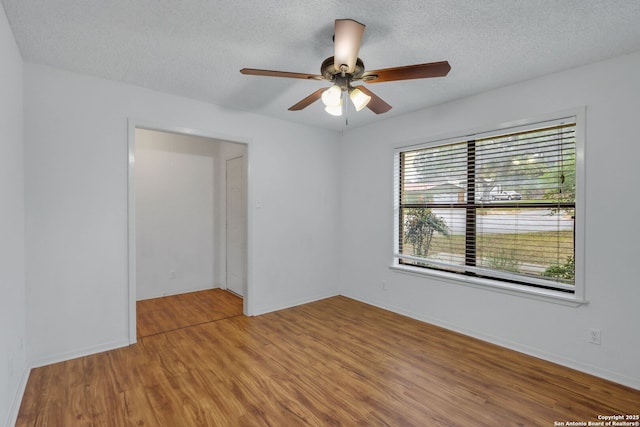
point(329, 72)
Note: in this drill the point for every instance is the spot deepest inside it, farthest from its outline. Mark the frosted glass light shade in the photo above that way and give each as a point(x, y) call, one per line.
point(332, 97)
point(334, 110)
point(359, 99)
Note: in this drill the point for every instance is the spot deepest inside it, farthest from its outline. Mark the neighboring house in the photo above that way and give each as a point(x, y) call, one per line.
point(441, 193)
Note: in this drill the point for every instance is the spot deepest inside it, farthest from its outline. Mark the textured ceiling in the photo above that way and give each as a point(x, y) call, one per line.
point(195, 48)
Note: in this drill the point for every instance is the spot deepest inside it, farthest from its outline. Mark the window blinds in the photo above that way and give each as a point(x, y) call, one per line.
point(500, 206)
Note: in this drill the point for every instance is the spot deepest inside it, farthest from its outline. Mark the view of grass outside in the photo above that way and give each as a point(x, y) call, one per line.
point(546, 253)
point(540, 251)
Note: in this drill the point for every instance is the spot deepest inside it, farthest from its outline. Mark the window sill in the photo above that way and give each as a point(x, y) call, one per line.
point(546, 295)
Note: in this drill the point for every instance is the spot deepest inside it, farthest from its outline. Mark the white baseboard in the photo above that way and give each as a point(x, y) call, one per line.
point(14, 409)
point(174, 292)
point(81, 352)
point(289, 304)
point(554, 358)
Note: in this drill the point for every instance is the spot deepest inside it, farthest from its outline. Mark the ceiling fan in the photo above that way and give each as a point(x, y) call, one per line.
point(344, 68)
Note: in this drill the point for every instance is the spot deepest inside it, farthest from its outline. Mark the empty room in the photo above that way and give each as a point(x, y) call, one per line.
point(294, 213)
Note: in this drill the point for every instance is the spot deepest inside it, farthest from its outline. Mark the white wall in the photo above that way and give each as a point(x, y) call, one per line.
point(13, 363)
point(176, 209)
point(76, 206)
point(611, 92)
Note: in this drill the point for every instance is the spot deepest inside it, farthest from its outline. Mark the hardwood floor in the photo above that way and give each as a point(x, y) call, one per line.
point(331, 362)
point(178, 311)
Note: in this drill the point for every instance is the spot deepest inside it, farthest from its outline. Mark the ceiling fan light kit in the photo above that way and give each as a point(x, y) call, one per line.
point(332, 99)
point(344, 67)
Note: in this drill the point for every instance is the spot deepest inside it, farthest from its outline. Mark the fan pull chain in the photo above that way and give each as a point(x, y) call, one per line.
point(346, 108)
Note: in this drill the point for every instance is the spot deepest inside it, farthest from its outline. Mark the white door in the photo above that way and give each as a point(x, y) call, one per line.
point(236, 226)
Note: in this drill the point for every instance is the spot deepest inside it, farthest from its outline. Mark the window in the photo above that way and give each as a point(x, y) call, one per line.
point(497, 208)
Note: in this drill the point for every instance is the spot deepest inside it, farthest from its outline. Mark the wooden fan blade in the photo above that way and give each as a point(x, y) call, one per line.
point(418, 71)
point(377, 105)
point(347, 39)
point(308, 100)
point(270, 73)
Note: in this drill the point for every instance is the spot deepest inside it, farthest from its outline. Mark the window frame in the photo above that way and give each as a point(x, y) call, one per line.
point(576, 298)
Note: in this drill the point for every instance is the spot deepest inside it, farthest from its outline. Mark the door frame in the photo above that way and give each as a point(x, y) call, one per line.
point(134, 124)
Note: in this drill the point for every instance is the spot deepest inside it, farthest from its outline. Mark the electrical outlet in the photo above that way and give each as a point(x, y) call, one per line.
point(384, 285)
point(595, 336)
point(172, 274)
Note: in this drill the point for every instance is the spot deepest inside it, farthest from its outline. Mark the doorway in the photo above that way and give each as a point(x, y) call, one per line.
point(185, 255)
point(235, 220)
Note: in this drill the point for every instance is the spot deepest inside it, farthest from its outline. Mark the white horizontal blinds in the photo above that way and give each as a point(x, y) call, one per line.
point(533, 163)
point(500, 207)
point(433, 181)
point(533, 232)
point(432, 173)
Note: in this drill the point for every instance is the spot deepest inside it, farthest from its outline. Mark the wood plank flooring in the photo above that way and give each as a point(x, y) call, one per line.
point(178, 311)
point(335, 362)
